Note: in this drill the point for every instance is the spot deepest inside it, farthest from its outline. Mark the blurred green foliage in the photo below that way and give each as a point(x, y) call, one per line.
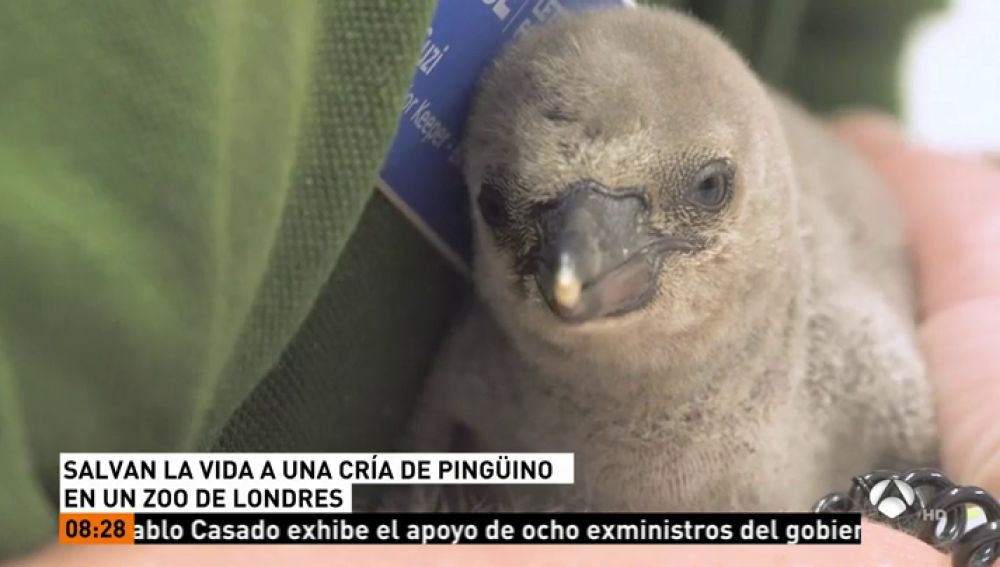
point(827, 53)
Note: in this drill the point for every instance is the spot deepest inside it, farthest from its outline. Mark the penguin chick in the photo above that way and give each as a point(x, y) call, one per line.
point(682, 278)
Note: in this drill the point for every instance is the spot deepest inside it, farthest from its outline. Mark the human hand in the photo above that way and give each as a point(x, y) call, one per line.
point(952, 210)
point(951, 207)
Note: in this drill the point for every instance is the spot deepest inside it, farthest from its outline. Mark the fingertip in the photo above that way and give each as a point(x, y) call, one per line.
point(874, 133)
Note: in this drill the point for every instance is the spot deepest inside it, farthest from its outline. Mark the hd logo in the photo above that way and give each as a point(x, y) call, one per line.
point(892, 497)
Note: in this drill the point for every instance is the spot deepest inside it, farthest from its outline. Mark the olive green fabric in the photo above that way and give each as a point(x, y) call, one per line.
point(191, 254)
point(178, 182)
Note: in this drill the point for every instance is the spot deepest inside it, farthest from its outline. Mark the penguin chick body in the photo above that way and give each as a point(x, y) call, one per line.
point(681, 277)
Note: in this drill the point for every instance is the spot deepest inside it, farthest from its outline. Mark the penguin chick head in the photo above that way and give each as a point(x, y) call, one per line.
point(626, 170)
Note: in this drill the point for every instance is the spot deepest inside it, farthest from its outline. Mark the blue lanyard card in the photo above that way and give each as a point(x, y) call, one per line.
point(422, 171)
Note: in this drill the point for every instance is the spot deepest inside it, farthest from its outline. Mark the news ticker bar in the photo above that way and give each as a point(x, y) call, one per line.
point(461, 528)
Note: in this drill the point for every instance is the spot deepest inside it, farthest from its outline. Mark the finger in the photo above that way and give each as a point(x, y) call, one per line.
point(871, 132)
point(951, 207)
point(952, 210)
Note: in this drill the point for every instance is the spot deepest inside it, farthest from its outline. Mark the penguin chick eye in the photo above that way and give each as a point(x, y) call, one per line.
point(492, 205)
point(710, 189)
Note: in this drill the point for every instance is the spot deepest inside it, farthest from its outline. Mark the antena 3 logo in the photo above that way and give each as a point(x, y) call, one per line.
point(891, 497)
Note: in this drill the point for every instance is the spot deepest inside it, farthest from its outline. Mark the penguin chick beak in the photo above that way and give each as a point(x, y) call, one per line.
point(598, 256)
point(567, 285)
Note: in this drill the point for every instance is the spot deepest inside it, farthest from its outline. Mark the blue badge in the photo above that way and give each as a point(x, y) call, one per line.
point(421, 174)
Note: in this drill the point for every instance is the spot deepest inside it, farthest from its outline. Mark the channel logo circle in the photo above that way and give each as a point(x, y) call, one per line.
point(892, 497)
